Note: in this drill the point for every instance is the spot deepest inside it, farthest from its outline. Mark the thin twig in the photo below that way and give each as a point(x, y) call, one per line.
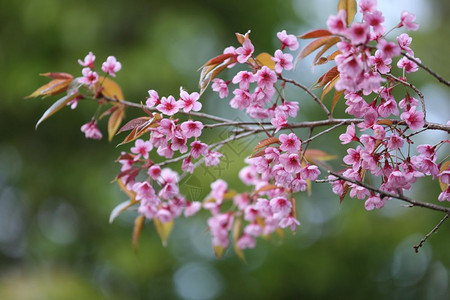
point(387, 194)
point(419, 93)
point(424, 239)
point(298, 84)
point(434, 74)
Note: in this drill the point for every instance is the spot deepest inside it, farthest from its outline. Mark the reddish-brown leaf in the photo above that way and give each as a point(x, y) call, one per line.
point(329, 86)
point(327, 77)
point(242, 37)
point(114, 121)
point(350, 8)
point(134, 123)
point(212, 68)
point(315, 34)
point(266, 142)
point(386, 122)
point(332, 41)
point(344, 193)
point(57, 75)
point(110, 88)
point(54, 87)
point(236, 232)
point(314, 45)
point(314, 155)
point(336, 97)
point(333, 55)
point(138, 225)
point(267, 187)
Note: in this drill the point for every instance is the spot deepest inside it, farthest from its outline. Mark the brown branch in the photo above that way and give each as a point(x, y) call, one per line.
point(432, 73)
point(424, 239)
point(400, 197)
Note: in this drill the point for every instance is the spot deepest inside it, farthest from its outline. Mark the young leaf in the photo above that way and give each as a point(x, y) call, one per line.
point(325, 47)
point(56, 107)
point(212, 68)
point(350, 8)
point(133, 123)
point(326, 77)
point(315, 34)
point(218, 251)
point(265, 59)
point(54, 87)
point(110, 88)
point(114, 121)
point(329, 86)
point(266, 142)
point(264, 188)
point(314, 155)
point(120, 208)
point(138, 225)
point(163, 230)
point(314, 45)
point(242, 37)
point(236, 231)
point(336, 97)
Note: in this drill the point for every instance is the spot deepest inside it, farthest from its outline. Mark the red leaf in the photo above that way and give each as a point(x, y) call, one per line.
point(266, 142)
point(114, 121)
point(315, 34)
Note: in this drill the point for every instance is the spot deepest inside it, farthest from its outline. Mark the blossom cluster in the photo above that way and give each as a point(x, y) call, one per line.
point(384, 149)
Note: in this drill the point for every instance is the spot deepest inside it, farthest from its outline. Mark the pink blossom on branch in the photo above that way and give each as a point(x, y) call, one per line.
point(91, 130)
point(88, 61)
point(282, 61)
point(111, 66)
point(287, 40)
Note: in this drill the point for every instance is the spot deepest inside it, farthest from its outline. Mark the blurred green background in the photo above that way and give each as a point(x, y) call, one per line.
point(55, 191)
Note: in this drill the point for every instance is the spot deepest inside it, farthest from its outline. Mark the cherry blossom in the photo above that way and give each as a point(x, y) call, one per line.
point(287, 40)
point(245, 52)
point(407, 20)
point(289, 142)
point(188, 101)
point(111, 66)
point(91, 130)
point(89, 77)
point(337, 24)
point(168, 106)
point(220, 86)
point(88, 61)
point(413, 118)
point(191, 128)
point(282, 61)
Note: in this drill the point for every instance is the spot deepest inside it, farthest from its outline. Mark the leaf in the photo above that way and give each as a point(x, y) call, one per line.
point(120, 208)
point(313, 155)
point(138, 225)
point(386, 122)
point(314, 45)
point(163, 230)
point(326, 46)
point(229, 194)
point(110, 88)
point(333, 55)
point(142, 129)
point(236, 232)
point(444, 167)
point(344, 193)
point(315, 34)
point(57, 75)
point(265, 59)
point(212, 68)
point(336, 97)
point(266, 142)
point(350, 8)
point(54, 87)
point(326, 77)
point(56, 107)
point(134, 123)
point(330, 85)
point(242, 37)
point(130, 194)
point(267, 187)
point(218, 251)
point(114, 121)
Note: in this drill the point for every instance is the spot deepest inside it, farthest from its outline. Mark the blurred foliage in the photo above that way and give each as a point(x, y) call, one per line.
point(55, 196)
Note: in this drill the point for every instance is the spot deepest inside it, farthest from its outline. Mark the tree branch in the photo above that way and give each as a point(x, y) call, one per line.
point(424, 239)
point(400, 197)
point(432, 73)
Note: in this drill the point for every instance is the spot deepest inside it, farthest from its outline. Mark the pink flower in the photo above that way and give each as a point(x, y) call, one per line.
point(89, 77)
point(408, 65)
point(189, 102)
point(279, 121)
point(367, 6)
point(353, 158)
point(445, 195)
point(380, 63)
point(245, 52)
point(111, 66)
point(413, 118)
point(404, 41)
point(280, 207)
point(337, 24)
point(253, 229)
point(154, 172)
point(220, 86)
point(153, 98)
point(187, 165)
point(289, 221)
point(407, 20)
point(299, 184)
point(91, 130)
point(168, 106)
point(358, 192)
point(388, 49)
point(427, 150)
point(388, 107)
point(145, 192)
point(164, 215)
point(218, 190)
point(192, 208)
point(168, 176)
point(358, 33)
point(282, 61)
point(198, 148)
point(395, 142)
point(290, 142)
point(288, 108)
point(349, 135)
point(266, 78)
point(191, 128)
point(244, 78)
point(287, 40)
point(375, 19)
point(212, 158)
point(408, 101)
point(179, 143)
point(246, 241)
point(374, 202)
point(310, 172)
point(142, 148)
point(241, 99)
point(290, 162)
point(88, 61)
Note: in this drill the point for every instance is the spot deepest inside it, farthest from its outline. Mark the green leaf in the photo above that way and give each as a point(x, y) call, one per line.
point(56, 107)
